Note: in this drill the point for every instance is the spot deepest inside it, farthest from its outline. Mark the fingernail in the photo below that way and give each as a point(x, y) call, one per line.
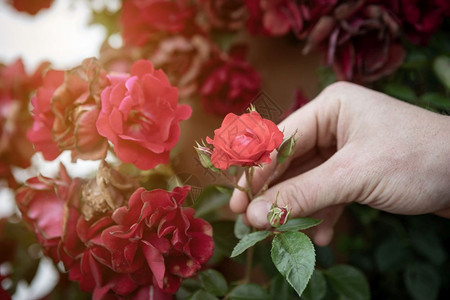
point(257, 212)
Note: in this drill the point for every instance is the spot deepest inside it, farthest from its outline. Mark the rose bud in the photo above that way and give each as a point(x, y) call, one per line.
point(287, 148)
point(204, 154)
point(278, 216)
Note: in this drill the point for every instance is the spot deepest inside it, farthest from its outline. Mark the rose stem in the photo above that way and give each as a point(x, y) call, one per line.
point(249, 260)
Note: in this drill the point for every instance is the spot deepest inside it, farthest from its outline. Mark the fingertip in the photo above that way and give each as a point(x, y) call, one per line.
point(257, 213)
point(238, 202)
point(323, 236)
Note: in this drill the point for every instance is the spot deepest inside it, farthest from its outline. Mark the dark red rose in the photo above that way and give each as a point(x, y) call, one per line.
point(155, 237)
point(145, 22)
point(182, 59)
point(30, 6)
point(362, 40)
point(245, 140)
point(229, 84)
point(140, 115)
point(227, 15)
point(422, 18)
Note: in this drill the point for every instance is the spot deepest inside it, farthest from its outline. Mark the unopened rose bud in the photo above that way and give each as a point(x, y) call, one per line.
point(286, 149)
point(204, 154)
point(278, 216)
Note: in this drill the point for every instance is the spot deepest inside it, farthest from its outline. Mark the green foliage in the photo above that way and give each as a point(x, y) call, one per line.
point(210, 200)
point(348, 282)
point(240, 229)
point(202, 295)
point(249, 292)
point(293, 255)
point(299, 224)
point(316, 288)
point(213, 282)
point(422, 281)
point(248, 241)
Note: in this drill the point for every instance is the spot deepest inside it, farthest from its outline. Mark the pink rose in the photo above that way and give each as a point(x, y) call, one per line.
point(229, 84)
point(245, 140)
point(140, 115)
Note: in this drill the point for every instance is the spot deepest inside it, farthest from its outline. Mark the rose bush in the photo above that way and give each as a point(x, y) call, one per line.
point(224, 14)
point(140, 115)
point(245, 140)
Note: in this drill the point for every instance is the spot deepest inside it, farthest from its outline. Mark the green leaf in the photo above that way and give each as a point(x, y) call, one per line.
point(240, 229)
point(213, 282)
point(248, 241)
point(293, 255)
point(299, 224)
point(280, 288)
point(316, 288)
point(203, 295)
point(348, 282)
point(187, 288)
point(391, 255)
point(400, 91)
point(249, 292)
point(422, 281)
point(211, 199)
point(224, 240)
point(441, 67)
point(426, 242)
point(435, 100)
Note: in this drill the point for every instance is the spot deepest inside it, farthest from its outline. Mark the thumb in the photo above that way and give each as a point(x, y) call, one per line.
point(329, 184)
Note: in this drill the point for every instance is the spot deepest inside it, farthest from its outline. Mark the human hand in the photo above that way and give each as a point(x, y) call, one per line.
point(356, 145)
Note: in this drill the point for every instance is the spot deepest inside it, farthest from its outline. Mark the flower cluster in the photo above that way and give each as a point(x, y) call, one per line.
point(15, 88)
point(174, 36)
point(113, 238)
point(362, 39)
point(82, 109)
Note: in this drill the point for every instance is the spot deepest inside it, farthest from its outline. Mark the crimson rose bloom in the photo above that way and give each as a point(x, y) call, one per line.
point(145, 22)
point(140, 115)
point(245, 140)
point(155, 237)
point(229, 84)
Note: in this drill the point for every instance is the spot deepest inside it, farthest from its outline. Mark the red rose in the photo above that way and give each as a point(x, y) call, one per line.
point(229, 84)
point(31, 6)
point(245, 140)
point(225, 14)
point(182, 60)
point(148, 21)
point(155, 237)
point(140, 115)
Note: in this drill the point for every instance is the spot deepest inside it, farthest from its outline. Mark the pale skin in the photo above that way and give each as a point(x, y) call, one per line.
point(356, 145)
